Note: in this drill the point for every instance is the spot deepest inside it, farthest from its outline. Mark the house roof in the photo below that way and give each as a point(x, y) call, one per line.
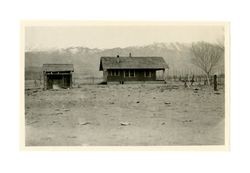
point(57, 67)
point(157, 63)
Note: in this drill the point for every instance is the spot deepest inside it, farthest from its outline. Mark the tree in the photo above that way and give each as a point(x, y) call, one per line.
point(206, 56)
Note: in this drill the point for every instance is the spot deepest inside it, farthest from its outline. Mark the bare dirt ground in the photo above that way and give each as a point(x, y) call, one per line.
point(124, 115)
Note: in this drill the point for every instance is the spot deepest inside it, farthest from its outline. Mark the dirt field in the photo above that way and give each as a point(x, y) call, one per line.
point(103, 115)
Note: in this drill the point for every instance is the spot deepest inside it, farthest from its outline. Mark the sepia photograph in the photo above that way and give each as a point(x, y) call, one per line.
point(125, 84)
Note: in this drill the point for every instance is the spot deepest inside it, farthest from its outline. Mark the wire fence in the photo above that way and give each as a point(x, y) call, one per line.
point(196, 79)
point(175, 80)
point(77, 82)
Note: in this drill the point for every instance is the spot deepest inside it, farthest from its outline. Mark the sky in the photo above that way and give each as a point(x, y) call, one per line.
point(110, 36)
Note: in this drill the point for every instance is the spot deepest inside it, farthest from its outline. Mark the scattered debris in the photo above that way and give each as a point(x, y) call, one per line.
point(187, 121)
point(125, 123)
point(161, 90)
point(175, 87)
point(84, 123)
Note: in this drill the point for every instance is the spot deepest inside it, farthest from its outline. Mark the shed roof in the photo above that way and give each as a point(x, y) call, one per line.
point(57, 67)
point(157, 63)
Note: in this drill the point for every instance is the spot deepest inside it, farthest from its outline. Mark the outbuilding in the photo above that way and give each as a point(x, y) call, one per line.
point(132, 69)
point(56, 76)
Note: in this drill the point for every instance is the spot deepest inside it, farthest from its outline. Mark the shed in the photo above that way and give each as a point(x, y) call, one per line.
point(57, 76)
point(132, 69)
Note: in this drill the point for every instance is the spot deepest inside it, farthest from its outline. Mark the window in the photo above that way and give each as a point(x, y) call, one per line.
point(129, 73)
point(132, 73)
point(116, 73)
point(110, 72)
point(126, 73)
point(147, 73)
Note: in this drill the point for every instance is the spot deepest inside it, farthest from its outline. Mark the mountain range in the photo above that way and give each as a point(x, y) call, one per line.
point(86, 60)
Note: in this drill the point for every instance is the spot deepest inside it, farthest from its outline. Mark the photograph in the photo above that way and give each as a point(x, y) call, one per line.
point(125, 84)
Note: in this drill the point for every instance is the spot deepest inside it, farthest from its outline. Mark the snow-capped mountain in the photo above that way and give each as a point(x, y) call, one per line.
point(86, 60)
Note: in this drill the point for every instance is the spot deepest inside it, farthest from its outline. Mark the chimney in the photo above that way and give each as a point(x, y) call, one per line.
point(117, 59)
point(130, 54)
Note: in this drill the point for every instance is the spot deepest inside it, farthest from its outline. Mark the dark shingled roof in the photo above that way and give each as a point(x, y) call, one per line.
point(157, 63)
point(57, 67)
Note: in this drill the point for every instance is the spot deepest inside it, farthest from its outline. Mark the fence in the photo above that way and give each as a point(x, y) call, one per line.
point(197, 79)
point(77, 82)
point(179, 80)
point(87, 81)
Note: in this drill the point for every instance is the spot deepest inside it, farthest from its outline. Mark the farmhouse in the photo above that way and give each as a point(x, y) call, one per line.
point(57, 76)
point(132, 69)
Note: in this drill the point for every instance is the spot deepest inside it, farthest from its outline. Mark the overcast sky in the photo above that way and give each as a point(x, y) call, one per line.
point(101, 36)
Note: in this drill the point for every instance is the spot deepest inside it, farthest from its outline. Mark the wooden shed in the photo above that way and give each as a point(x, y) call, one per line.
point(132, 69)
point(57, 76)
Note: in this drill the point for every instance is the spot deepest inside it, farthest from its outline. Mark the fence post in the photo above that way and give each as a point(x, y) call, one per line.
point(215, 83)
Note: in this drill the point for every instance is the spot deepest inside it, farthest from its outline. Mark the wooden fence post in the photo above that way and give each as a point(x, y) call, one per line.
point(215, 83)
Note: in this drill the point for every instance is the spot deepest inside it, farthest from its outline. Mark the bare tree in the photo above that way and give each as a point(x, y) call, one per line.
point(206, 56)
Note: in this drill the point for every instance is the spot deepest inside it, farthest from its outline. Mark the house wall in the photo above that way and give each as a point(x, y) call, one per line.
point(105, 75)
point(139, 75)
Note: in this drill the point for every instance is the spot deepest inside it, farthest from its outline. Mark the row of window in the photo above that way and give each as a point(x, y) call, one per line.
point(128, 73)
